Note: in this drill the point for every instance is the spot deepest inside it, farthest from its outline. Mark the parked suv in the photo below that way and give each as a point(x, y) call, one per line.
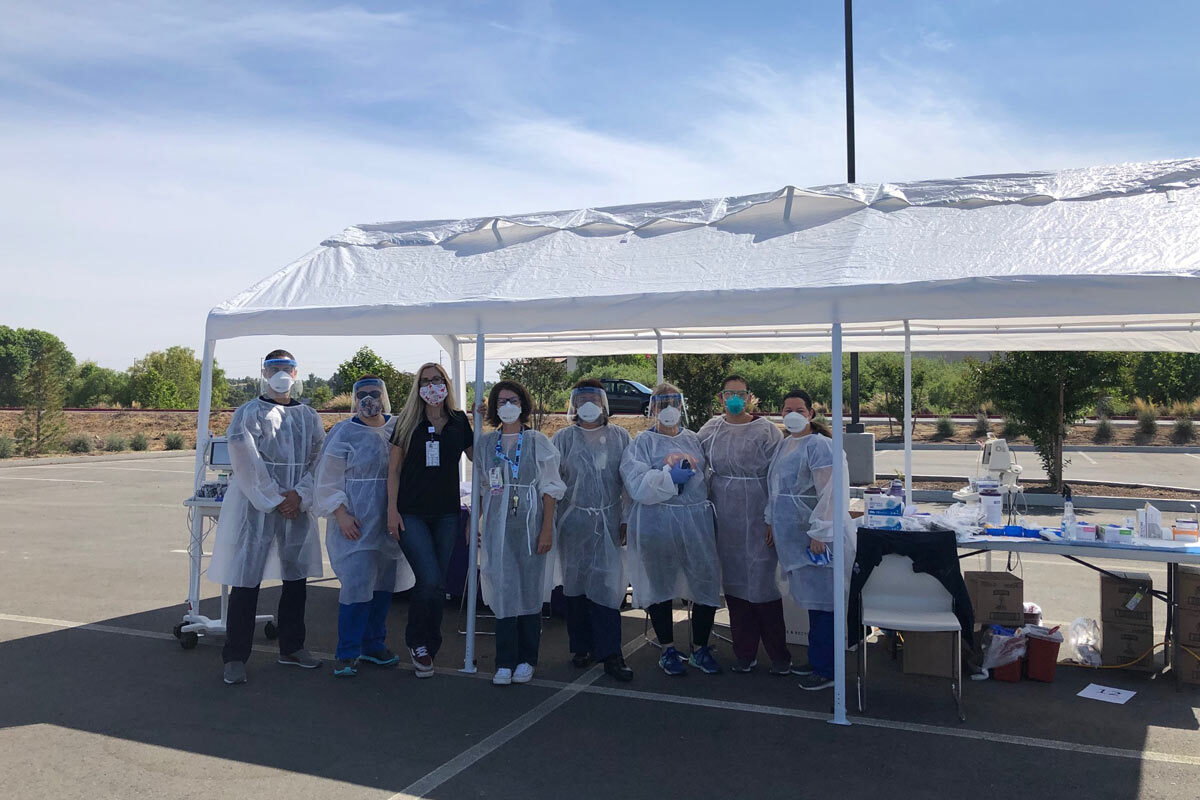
point(627, 397)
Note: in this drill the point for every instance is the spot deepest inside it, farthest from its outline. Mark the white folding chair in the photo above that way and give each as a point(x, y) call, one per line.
point(898, 599)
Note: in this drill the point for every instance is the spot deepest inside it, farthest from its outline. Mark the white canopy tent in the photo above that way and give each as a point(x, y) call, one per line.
point(1106, 258)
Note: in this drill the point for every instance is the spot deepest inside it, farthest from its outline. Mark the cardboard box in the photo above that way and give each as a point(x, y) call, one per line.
point(997, 597)
point(929, 653)
point(1187, 587)
point(1188, 668)
point(1127, 599)
point(1189, 629)
point(1122, 644)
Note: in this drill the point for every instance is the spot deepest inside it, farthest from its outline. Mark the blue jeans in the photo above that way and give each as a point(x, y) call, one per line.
point(362, 627)
point(428, 542)
point(517, 640)
point(820, 643)
point(593, 628)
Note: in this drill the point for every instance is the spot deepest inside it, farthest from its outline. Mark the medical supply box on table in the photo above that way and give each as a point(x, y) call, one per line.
point(998, 598)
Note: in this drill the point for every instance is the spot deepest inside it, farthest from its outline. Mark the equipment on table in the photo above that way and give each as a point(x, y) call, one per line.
point(997, 470)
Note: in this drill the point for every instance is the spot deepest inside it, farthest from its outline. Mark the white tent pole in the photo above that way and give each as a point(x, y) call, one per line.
point(460, 389)
point(658, 337)
point(839, 545)
point(195, 543)
point(908, 420)
point(473, 531)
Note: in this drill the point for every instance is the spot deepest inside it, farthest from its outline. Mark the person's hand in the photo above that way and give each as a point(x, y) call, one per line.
point(680, 475)
point(624, 533)
point(395, 524)
point(545, 540)
point(348, 524)
point(290, 507)
point(674, 458)
point(770, 537)
point(817, 546)
point(480, 408)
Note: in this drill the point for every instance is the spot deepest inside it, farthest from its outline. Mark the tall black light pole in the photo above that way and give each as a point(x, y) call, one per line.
point(855, 425)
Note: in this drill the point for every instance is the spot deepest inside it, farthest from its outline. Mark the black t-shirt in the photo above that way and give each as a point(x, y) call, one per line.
point(433, 490)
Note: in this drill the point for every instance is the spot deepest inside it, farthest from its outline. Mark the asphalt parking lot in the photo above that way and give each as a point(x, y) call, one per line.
point(100, 701)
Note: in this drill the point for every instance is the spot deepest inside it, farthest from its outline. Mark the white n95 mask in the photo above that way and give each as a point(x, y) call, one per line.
point(795, 422)
point(588, 412)
point(509, 412)
point(670, 416)
point(281, 382)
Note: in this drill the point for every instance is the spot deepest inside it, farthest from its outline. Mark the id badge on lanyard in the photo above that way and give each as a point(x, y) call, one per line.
point(496, 480)
point(433, 450)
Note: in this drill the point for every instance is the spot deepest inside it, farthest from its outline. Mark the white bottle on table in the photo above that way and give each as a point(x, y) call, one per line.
point(1069, 531)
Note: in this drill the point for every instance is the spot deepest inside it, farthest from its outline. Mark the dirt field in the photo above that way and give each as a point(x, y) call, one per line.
point(157, 424)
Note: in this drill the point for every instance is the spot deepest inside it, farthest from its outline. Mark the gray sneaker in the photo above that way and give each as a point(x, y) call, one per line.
point(235, 672)
point(300, 658)
point(814, 682)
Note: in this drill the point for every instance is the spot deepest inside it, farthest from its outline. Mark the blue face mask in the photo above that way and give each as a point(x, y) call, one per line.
point(735, 405)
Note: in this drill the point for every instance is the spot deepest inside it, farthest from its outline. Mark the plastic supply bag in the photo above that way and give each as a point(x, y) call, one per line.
point(1002, 646)
point(965, 520)
point(1083, 642)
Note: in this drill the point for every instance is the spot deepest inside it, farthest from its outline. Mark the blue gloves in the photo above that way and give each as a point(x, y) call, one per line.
point(681, 475)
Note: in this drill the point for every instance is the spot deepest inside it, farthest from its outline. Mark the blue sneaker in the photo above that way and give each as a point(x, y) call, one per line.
point(702, 659)
point(672, 662)
point(345, 668)
point(381, 658)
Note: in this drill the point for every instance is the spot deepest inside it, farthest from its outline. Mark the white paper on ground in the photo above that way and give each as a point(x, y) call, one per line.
point(1095, 691)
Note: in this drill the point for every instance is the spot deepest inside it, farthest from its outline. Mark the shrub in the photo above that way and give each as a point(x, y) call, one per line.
point(340, 402)
point(1184, 430)
point(1011, 429)
point(173, 441)
point(115, 443)
point(1147, 416)
point(138, 442)
point(982, 425)
point(7, 445)
point(80, 443)
point(1104, 431)
point(944, 429)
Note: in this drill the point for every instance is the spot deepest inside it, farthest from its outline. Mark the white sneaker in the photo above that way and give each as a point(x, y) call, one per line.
point(523, 673)
point(503, 677)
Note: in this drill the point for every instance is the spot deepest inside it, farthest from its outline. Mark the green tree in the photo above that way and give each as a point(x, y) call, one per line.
point(179, 367)
point(17, 346)
point(92, 385)
point(698, 376)
point(543, 377)
point(367, 362)
point(43, 387)
point(149, 389)
point(243, 390)
point(319, 397)
point(1044, 392)
point(1164, 378)
point(886, 372)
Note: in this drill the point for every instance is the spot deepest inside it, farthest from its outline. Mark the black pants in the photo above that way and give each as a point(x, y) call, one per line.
point(593, 628)
point(702, 623)
point(243, 607)
point(517, 640)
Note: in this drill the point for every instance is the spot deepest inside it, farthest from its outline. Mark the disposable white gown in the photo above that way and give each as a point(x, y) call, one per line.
point(739, 457)
point(588, 520)
point(672, 544)
point(800, 509)
point(514, 578)
point(353, 472)
point(273, 449)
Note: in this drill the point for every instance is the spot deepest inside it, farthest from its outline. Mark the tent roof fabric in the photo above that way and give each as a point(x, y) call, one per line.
point(964, 259)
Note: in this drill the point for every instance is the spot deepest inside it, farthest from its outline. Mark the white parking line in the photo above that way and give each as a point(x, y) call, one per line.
point(48, 480)
point(1192, 455)
point(100, 466)
point(1088, 458)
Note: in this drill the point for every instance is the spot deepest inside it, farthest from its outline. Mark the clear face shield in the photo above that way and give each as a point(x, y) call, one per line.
point(668, 410)
point(370, 398)
point(588, 404)
point(279, 378)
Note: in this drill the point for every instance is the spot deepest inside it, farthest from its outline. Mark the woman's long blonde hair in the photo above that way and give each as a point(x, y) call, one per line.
point(414, 406)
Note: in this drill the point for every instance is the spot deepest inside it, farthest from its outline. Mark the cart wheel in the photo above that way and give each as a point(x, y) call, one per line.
point(177, 631)
point(270, 631)
point(189, 640)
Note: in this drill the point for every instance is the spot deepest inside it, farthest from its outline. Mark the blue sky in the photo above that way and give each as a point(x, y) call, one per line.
point(156, 157)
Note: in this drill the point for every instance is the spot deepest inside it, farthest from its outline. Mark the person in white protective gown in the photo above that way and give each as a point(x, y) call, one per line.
point(518, 484)
point(672, 543)
point(590, 527)
point(800, 517)
point(739, 448)
point(266, 530)
point(351, 494)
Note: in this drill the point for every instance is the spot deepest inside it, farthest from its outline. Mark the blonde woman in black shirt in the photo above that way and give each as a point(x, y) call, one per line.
point(430, 437)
